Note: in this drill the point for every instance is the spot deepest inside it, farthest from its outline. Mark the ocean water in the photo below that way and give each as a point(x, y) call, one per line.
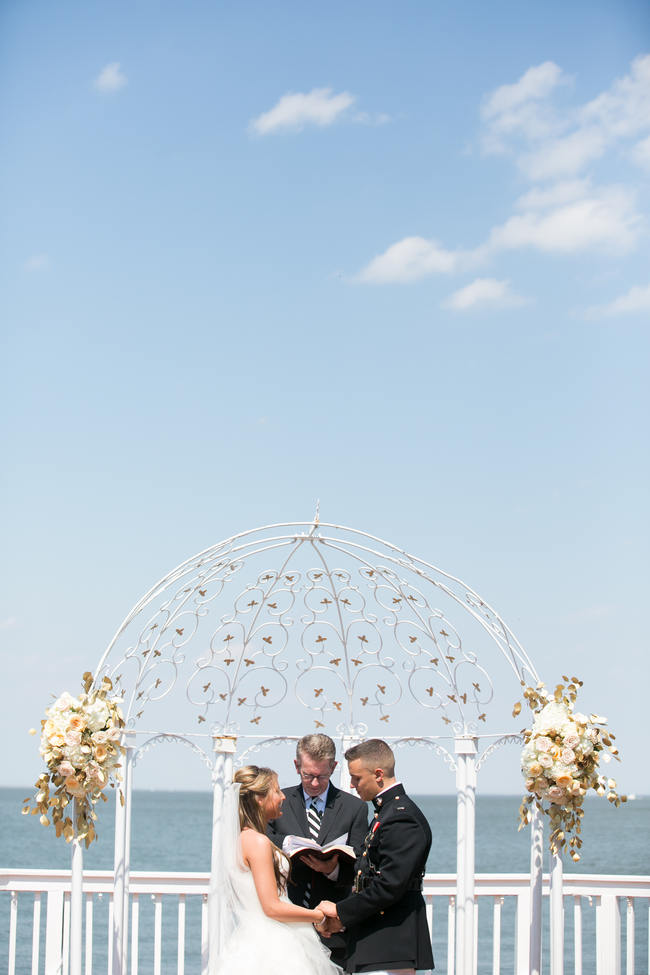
point(171, 831)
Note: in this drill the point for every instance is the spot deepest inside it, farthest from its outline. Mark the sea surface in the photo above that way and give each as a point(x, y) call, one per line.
point(171, 831)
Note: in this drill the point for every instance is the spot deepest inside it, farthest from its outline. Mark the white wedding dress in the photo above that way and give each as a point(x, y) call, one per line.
point(251, 942)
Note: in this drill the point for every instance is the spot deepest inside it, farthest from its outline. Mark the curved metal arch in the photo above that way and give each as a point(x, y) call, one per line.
point(385, 579)
point(164, 737)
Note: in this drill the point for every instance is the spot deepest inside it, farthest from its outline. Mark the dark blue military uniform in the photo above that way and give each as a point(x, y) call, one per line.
point(385, 916)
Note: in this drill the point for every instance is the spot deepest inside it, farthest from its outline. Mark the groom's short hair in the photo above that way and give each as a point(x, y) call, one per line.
point(320, 748)
point(374, 753)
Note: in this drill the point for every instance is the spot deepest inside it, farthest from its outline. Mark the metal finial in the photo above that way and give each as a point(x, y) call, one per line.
point(317, 515)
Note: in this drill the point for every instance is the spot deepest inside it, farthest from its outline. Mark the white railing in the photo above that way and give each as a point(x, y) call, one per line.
point(176, 938)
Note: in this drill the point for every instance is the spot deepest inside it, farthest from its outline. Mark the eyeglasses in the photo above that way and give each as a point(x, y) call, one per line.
point(306, 777)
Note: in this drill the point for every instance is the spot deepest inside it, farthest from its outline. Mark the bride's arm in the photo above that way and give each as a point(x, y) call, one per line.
point(258, 855)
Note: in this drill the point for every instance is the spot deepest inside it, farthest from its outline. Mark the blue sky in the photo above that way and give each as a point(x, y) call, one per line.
point(394, 257)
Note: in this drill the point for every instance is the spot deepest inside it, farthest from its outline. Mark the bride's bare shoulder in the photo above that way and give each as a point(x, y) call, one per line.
point(253, 842)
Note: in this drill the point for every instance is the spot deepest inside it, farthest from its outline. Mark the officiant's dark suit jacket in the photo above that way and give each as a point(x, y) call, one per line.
point(344, 814)
point(386, 919)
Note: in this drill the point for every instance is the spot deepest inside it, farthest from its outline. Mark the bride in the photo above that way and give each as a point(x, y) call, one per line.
point(260, 929)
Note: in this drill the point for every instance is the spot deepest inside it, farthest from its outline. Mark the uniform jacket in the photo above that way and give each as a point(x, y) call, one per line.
point(386, 917)
point(343, 814)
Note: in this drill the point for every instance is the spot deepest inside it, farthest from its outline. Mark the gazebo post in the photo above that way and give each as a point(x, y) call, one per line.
point(557, 915)
point(76, 898)
point(536, 878)
point(121, 859)
point(224, 749)
point(465, 748)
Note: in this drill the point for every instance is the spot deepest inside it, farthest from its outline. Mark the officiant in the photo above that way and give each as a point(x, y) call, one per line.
point(316, 809)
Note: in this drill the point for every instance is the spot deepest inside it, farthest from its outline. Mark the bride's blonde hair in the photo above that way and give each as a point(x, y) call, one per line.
point(255, 783)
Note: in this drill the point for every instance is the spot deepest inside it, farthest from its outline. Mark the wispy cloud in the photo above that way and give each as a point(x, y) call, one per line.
point(633, 302)
point(295, 110)
point(409, 260)
point(605, 219)
point(482, 293)
point(37, 262)
point(565, 211)
point(552, 142)
point(521, 109)
point(110, 79)
point(568, 218)
point(9, 623)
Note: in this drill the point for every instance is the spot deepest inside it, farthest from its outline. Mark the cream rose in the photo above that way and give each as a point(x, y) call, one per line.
point(545, 761)
point(568, 755)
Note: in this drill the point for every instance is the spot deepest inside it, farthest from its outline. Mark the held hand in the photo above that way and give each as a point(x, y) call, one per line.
point(321, 864)
point(328, 908)
point(331, 923)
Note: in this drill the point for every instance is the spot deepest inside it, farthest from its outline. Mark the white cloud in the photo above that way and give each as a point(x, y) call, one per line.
point(9, 623)
point(409, 260)
point(522, 110)
point(551, 142)
point(111, 78)
point(368, 118)
point(636, 300)
point(483, 292)
point(605, 220)
point(320, 106)
point(624, 109)
point(37, 262)
point(540, 198)
point(565, 156)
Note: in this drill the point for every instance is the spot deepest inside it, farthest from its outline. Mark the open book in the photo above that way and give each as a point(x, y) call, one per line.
point(293, 845)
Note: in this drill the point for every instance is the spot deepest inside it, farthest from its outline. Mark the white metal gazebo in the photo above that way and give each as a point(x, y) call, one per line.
point(326, 627)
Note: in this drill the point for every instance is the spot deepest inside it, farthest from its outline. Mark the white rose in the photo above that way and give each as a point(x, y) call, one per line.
point(97, 715)
point(65, 702)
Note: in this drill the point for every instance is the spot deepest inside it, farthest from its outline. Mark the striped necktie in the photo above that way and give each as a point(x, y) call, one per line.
point(313, 821)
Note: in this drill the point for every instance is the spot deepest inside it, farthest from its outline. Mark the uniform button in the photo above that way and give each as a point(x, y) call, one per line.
point(381, 912)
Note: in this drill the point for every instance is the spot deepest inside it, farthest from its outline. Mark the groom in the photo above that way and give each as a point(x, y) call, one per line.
point(316, 808)
point(385, 916)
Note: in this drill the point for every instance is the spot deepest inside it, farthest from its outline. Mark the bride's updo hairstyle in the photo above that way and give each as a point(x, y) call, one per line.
point(254, 785)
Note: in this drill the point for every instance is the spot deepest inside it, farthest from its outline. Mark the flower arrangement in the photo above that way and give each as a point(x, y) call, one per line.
point(560, 761)
point(80, 742)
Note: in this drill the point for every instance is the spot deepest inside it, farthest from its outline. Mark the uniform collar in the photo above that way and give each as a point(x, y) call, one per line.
point(390, 792)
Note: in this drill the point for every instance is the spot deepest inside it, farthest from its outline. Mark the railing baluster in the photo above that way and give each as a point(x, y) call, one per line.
point(522, 930)
point(608, 935)
point(204, 935)
point(181, 934)
point(36, 933)
point(157, 933)
point(110, 935)
point(475, 945)
point(66, 933)
point(577, 935)
point(451, 934)
point(629, 937)
point(89, 934)
point(135, 932)
point(13, 926)
point(53, 928)
point(496, 936)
